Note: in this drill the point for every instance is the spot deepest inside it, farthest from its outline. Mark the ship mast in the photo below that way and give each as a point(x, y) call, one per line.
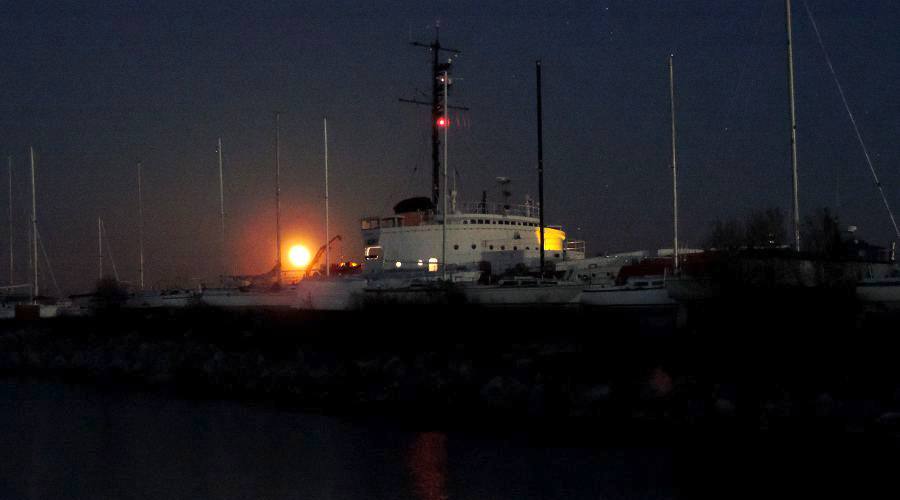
point(674, 166)
point(446, 117)
point(439, 72)
point(790, 63)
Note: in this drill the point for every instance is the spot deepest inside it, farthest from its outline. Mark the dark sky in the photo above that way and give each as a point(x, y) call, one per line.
point(97, 87)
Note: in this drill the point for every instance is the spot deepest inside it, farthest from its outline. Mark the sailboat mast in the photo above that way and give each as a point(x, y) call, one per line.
point(674, 164)
point(327, 234)
point(140, 224)
point(34, 242)
point(446, 79)
point(790, 62)
point(277, 200)
point(222, 207)
point(540, 140)
point(100, 248)
point(9, 161)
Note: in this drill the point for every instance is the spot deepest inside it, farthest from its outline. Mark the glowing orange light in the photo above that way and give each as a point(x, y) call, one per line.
point(299, 256)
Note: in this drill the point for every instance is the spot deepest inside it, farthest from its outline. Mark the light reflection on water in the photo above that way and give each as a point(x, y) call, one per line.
point(61, 441)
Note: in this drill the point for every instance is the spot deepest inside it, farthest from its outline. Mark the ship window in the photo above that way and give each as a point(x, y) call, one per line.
point(473, 246)
point(527, 248)
point(556, 255)
point(419, 263)
point(432, 265)
point(491, 247)
point(473, 221)
point(502, 247)
point(515, 248)
point(398, 264)
point(456, 247)
point(465, 221)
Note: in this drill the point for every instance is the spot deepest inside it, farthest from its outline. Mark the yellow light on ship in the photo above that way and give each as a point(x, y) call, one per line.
point(299, 256)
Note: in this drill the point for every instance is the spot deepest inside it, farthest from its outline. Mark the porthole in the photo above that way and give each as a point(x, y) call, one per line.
point(491, 247)
point(473, 246)
point(456, 247)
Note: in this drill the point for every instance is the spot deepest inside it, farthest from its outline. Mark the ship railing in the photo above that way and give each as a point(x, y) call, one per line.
point(525, 210)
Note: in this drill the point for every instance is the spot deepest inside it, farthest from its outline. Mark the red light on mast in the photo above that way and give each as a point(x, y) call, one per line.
point(442, 122)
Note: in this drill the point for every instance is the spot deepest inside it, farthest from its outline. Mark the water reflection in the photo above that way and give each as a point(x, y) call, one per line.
point(428, 465)
point(77, 442)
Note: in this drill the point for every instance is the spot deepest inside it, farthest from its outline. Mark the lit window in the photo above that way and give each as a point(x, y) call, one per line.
point(420, 263)
point(398, 264)
point(432, 265)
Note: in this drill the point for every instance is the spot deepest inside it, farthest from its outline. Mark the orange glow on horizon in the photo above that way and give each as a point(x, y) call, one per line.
point(299, 256)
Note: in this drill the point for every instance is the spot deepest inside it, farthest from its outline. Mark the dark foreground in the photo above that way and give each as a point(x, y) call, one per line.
point(736, 399)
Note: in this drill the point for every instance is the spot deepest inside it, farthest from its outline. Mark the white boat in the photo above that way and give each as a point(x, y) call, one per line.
point(173, 297)
point(881, 292)
point(640, 291)
point(284, 297)
point(524, 291)
point(330, 294)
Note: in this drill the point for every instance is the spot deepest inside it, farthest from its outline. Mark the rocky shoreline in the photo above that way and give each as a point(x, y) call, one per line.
point(757, 372)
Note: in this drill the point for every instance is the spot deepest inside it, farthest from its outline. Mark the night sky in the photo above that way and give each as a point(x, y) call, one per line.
point(96, 87)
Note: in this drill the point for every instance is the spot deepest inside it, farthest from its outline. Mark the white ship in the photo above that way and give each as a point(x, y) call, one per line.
point(473, 245)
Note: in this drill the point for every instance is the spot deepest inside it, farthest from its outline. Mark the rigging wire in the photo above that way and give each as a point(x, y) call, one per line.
point(49, 267)
point(730, 107)
point(109, 250)
point(859, 138)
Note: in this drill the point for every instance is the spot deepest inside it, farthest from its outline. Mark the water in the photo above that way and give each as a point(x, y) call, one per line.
point(80, 442)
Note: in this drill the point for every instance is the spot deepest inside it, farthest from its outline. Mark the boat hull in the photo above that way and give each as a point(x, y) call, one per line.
point(627, 297)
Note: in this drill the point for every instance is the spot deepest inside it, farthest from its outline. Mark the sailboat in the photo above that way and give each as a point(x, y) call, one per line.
point(267, 290)
point(328, 292)
point(644, 284)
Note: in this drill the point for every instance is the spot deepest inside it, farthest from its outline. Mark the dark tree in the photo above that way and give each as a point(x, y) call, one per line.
point(821, 234)
point(726, 235)
point(765, 229)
